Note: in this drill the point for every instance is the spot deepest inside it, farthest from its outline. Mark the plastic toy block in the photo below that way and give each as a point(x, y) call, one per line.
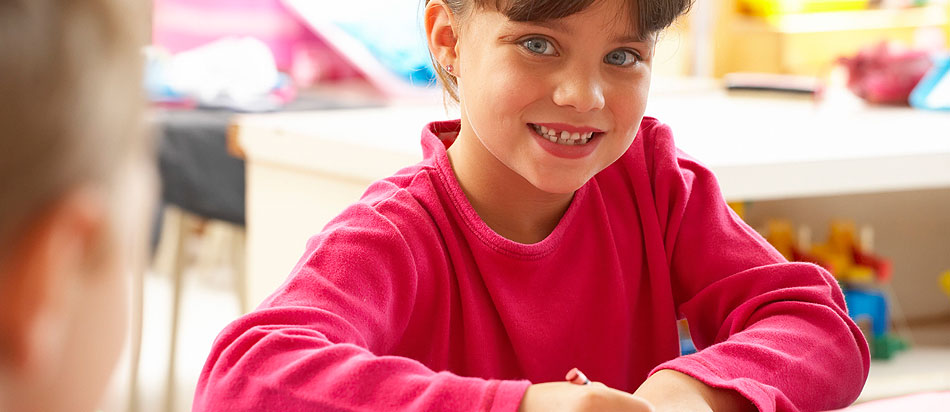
point(886, 346)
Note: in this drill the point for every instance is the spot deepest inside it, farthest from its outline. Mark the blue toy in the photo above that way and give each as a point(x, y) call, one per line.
point(869, 304)
point(872, 304)
point(933, 91)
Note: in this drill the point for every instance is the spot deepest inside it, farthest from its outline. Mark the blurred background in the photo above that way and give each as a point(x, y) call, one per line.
point(826, 121)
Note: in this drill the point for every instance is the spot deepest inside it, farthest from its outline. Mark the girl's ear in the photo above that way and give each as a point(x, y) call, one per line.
point(441, 33)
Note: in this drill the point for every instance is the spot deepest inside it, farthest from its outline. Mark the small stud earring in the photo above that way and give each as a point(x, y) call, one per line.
point(450, 68)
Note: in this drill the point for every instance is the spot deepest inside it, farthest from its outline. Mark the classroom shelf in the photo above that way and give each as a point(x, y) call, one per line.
point(809, 43)
point(874, 19)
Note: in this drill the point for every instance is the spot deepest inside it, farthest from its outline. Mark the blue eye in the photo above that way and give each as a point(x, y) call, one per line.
point(539, 45)
point(621, 57)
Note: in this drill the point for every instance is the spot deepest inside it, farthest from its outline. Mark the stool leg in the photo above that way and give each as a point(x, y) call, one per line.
point(239, 264)
point(135, 339)
point(178, 270)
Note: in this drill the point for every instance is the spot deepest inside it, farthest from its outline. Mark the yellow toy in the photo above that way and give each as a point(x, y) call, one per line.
point(848, 260)
point(769, 8)
point(862, 275)
point(780, 234)
point(945, 282)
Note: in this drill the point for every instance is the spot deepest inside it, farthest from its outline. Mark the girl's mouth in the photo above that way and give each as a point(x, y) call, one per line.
point(564, 137)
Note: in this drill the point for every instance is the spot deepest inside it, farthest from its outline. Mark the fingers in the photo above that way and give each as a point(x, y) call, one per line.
point(604, 397)
point(575, 376)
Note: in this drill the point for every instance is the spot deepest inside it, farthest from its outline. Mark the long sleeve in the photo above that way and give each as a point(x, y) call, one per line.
point(313, 344)
point(776, 332)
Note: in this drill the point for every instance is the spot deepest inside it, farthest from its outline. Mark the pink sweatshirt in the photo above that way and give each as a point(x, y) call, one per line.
point(408, 301)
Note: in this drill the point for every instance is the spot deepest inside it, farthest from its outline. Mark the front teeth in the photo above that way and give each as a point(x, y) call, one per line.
point(564, 137)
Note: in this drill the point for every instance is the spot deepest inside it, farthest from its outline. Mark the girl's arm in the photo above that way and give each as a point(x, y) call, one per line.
point(775, 332)
point(313, 344)
point(571, 397)
point(671, 391)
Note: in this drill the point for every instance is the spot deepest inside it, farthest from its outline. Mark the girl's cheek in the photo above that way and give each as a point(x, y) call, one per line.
point(528, 83)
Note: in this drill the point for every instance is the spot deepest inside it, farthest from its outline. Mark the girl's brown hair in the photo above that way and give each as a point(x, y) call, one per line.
point(650, 17)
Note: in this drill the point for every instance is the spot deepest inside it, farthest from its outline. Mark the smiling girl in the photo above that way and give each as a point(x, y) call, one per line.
point(553, 226)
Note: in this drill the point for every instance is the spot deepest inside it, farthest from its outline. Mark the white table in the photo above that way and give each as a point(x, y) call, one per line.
point(917, 370)
point(304, 168)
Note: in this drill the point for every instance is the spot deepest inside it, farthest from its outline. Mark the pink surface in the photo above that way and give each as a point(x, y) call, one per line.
point(180, 25)
point(929, 401)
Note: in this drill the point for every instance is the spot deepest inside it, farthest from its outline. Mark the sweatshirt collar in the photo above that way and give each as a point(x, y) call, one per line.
point(436, 138)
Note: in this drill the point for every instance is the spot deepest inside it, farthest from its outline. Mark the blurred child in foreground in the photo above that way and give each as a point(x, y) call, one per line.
point(75, 186)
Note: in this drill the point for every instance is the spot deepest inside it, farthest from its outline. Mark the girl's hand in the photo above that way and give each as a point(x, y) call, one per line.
point(566, 396)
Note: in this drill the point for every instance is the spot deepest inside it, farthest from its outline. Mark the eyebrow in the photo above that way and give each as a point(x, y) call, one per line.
point(559, 26)
point(631, 38)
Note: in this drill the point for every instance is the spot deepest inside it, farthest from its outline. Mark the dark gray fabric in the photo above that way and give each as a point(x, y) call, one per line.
point(197, 173)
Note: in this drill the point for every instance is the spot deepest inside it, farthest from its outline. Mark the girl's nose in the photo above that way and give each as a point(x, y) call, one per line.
point(583, 92)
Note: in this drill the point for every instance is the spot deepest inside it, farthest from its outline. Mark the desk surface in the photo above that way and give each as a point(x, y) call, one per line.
point(925, 401)
point(760, 147)
point(920, 369)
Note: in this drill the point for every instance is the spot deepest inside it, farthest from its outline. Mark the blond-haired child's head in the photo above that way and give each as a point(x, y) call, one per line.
point(75, 187)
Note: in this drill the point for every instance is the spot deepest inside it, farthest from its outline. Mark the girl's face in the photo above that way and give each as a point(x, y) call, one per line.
point(555, 101)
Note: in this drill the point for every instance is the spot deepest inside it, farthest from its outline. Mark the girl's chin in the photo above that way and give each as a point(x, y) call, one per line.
point(559, 187)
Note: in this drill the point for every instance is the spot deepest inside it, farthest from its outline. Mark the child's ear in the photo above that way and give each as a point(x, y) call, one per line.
point(43, 269)
point(441, 33)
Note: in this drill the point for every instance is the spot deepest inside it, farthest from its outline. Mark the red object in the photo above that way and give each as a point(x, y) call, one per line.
point(886, 72)
point(409, 301)
point(880, 265)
